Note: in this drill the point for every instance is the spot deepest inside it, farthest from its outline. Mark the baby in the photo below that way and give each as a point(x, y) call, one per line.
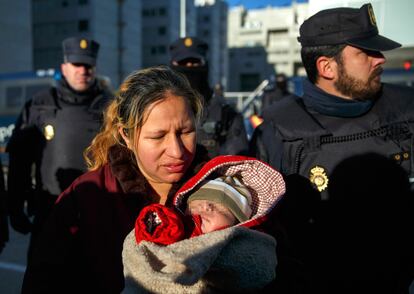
point(220, 203)
point(215, 232)
point(217, 204)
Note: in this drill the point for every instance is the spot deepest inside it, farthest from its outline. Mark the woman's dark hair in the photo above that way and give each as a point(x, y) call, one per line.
point(128, 110)
point(311, 54)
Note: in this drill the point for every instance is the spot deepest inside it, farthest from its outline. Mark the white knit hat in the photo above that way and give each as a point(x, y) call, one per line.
point(228, 191)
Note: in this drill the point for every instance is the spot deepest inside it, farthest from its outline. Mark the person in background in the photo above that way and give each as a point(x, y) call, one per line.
point(221, 130)
point(345, 112)
point(275, 90)
point(51, 132)
point(142, 155)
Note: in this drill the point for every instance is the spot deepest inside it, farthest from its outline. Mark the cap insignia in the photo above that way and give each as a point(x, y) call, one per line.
point(83, 44)
point(188, 42)
point(49, 132)
point(319, 178)
point(372, 15)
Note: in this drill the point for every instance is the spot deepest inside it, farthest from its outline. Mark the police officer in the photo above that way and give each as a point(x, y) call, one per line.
point(328, 136)
point(221, 130)
point(51, 133)
point(275, 90)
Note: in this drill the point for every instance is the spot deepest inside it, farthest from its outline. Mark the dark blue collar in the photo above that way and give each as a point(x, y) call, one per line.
point(331, 105)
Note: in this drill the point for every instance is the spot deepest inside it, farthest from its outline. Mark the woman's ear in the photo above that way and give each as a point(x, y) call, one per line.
point(124, 134)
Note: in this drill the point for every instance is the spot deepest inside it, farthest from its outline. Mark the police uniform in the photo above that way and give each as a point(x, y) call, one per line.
point(307, 135)
point(298, 140)
point(221, 130)
point(346, 151)
point(51, 133)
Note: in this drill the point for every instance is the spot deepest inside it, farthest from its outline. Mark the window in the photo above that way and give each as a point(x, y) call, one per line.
point(153, 50)
point(83, 25)
point(254, 53)
point(162, 31)
point(162, 49)
point(162, 11)
point(82, 2)
point(249, 81)
point(248, 64)
point(65, 3)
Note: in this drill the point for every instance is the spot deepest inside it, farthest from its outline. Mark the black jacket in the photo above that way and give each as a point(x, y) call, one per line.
point(50, 134)
point(294, 138)
point(348, 199)
point(221, 130)
point(79, 249)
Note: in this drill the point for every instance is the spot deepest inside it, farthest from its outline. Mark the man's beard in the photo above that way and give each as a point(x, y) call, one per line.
point(358, 89)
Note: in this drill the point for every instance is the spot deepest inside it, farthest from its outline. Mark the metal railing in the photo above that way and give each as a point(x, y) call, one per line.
point(245, 101)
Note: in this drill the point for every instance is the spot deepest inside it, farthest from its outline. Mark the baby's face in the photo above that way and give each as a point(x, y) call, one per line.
point(213, 215)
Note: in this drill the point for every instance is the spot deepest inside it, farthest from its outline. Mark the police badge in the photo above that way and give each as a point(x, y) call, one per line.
point(319, 178)
point(49, 132)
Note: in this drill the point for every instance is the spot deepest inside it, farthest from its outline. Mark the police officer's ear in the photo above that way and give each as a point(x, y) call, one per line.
point(327, 67)
point(63, 68)
point(125, 136)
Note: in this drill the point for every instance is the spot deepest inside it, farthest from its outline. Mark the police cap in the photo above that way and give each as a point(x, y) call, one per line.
point(352, 26)
point(189, 47)
point(80, 50)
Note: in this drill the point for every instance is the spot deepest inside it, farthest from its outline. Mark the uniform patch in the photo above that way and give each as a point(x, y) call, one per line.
point(318, 177)
point(49, 132)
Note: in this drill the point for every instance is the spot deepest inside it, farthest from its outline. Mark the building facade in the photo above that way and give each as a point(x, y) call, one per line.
point(161, 27)
point(114, 24)
point(16, 36)
point(268, 35)
point(212, 28)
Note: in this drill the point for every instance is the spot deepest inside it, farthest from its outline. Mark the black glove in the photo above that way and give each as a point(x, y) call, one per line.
point(20, 222)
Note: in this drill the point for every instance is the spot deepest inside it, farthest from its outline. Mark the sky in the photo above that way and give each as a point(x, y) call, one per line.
point(249, 4)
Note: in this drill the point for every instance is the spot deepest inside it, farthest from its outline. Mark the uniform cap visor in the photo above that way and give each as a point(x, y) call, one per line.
point(84, 59)
point(185, 55)
point(374, 43)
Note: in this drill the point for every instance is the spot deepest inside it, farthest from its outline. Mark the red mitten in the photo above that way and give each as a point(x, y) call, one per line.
point(159, 224)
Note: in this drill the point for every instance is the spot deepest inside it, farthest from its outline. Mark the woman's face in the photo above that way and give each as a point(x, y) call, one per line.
point(166, 143)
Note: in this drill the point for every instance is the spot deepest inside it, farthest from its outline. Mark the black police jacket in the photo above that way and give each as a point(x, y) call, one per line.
point(51, 133)
point(221, 130)
point(297, 140)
